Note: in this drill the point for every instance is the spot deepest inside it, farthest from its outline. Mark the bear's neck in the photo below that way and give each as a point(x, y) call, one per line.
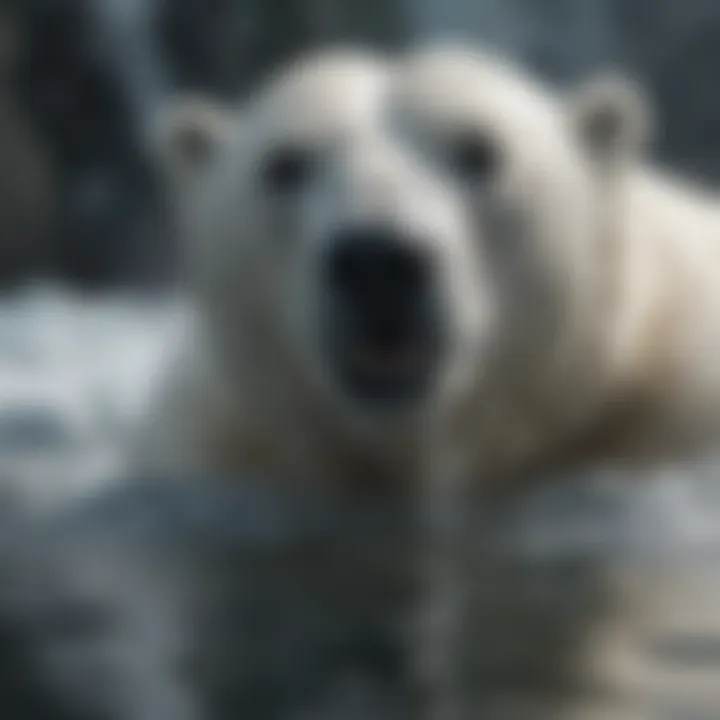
point(659, 396)
point(614, 398)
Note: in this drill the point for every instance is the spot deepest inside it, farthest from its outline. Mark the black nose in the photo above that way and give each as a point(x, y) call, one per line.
point(378, 266)
point(383, 328)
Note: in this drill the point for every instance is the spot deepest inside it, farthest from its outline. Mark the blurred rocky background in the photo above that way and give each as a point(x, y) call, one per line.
point(79, 79)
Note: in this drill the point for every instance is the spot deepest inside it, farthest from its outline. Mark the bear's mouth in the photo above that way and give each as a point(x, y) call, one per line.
point(388, 360)
point(387, 373)
point(384, 356)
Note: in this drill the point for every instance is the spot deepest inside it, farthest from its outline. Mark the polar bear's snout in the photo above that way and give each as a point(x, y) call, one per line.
point(383, 313)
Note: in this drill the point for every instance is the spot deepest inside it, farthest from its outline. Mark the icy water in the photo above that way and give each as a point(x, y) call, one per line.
point(74, 374)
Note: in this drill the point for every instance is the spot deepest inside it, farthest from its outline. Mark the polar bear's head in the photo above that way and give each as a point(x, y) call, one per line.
point(392, 230)
point(311, 231)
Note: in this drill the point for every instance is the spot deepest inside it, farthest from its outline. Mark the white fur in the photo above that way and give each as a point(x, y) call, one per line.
point(579, 278)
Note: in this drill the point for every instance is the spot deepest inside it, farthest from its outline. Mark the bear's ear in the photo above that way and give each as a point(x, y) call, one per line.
point(187, 135)
point(612, 118)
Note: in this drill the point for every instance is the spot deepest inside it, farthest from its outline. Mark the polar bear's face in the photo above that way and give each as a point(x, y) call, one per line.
point(310, 221)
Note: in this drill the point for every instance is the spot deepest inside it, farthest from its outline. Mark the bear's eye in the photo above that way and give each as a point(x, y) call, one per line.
point(472, 156)
point(287, 169)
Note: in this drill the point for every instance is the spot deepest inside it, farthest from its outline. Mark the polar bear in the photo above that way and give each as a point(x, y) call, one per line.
point(381, 246)
point(433, 259)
